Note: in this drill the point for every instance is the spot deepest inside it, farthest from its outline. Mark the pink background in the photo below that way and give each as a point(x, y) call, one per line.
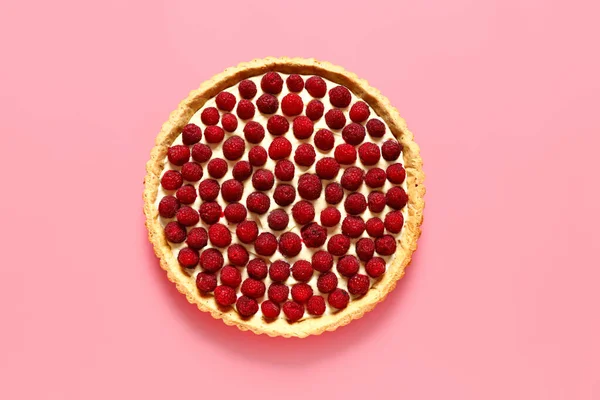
point(502, 299)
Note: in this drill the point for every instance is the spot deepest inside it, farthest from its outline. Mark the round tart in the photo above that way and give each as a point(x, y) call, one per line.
point(285, 196)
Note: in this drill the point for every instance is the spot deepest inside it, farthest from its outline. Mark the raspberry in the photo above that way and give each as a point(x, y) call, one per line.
point(277, 125)
point(385, 245)
point(232, 190)
point(348, 265)
point(280, 148)
point(246, 306)
point(175, 232)
point(265, 244)
point(338, 245)
point(334, 193)
point(201, 152)
point(197, 238)
point(359, 284)
point(247, 231)
point(247, 89)
point(245, 109)
point(217, 168)
point(365, 248)
point(352, 178)
point(263, 179)
point(335, 119)
point(327, 282)
point(376, 202)
point(345, 154)
point(191, 171)
point(390, 150)
point(214, 134)
point(187, 216)
point(234, 148)
point(396, 173)
point(295, 83)
point(229, 122)
point(168, 206)
point(314, 235)
point(302, 127)
point(224, 295)
point(271, 82)
point(302, 271)
point(206, 283)
point(375, 267)
point(305, 155)
point(375, 178)
point(278, 220)
point(330, 216)
point(258, 203)
point(219, 235)
point(324, 140)
point(316, 305)
point(178, 154)
point(242, 170)
point(269, 309)
point(267, 104)
point(393, 221)
point(230, 276)
point(225, 101)
point(375, 227)
point(303, 212)
point(340, 97)
point(191, 134)
point(293, 311)
point(339, 299)
point(322, 261)
point(210, 116)
point(396, 198)
point(314, 110)
point(211, 260)
point(355, 204)
point(284, 170)
point(316, 86)
point(301, 292)
point(257, 269)
point(369, 153)
point(290, 244)
point(354, 134)
point(209, 189)
point(292, 105)
point(237, 255)
point(353, 226)
point(253, 288)
point(279, 271)
point(210, 212)
point(278, 292)
point(284, 195)
point(309, 187)
point(257, 156)
point(254, 132)
point(376, 128)
point(327, 168)
point(186, 194)
point(359, 111)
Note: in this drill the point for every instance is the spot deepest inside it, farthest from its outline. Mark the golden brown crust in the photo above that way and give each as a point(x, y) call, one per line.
point(415, 188)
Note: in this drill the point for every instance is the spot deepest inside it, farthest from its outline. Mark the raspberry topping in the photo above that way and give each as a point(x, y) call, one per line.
point(334, 193)
point(376, 202)
point(279, 271)
point(168, 206)
point(253, 288)
point(353, 226)
point(385, 245)
point(191, 134)
point(269, 309)
point(238, 255)
point(393, 221)
point(245, 110)
point(178, 154)
point(347, 265)
point(217, 168)
point(396, 198)
point(354, 134)
point(234, 148)
point(197, 238)
point(375, 227)
point(314, 109)
point(339, 299)
point(278, 220)
point(210, 212)
point(211, 260)
point(369, 153)
point(278, 292)
point(258, 203)
point(327, 282)
point(186, 194)
point(316, 86)
point(224, 295)
point(229, 122)
point(247, 89)
point(219, 235)
point(201, 152)
point(375, 178)
point(290, 244)
point(314, 235)
point(302, 271)
point(396, 173)
point(340, 97)
point(214, 134)
point(322, 261)
point(324, 140)
point(187, 216)
point(375, 267)
point(390, 150)
point(191, 172)
point(210, 116)
point(247, 231)
point(280, 148)
point(225, 101)
point(267, 104)
point(277, 125)
point(284, 170)
point(305, 155)
point(365, 248)
point(359, 284)
point(205, 282)
point(345, 154)
point(302, 127)
point(263, 179)
point(352, 178)
point(359, 112)
point(335, 119)
point(265, 244)
point(309, 187)
point(376, 128)
point(271, 82)
point(230, 276)
point(338, 245)
point(246, 306)
point(301, 292)
point(254, 132)
point(295, 83)
point(257, 156)
point(355, 204)
point(232, 190)
point(327, 168)
point(209, 189)
point(293, 310)
point(303, 212)
point(257, 269)
point(175, 232)
point(242, 170)
point(316, 305)
point(292, 105)
point(284, 195)
point(330, 216)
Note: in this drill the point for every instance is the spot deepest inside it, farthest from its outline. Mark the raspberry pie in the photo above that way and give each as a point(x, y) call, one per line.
point(285, 196)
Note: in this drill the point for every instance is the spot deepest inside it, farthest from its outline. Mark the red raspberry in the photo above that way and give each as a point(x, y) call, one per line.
point(279, 271)
point(292, 105)
point(253, 288)
point(359, 111)
point(330, 217)
point(269, 309)
point(217, 168)
point(232, 190)
point(369, 153)
point(295, 83)
point(197, 238)
point(254, 132)
point(187, 216)
point(245, 109)
point(284, 195)
point(316, 305)
point(309, 187)
point(385, 245)
point(316, 86)
point(284, 170)
point(375, 227)
point(234, 148)
point(258, 203)
point(168, 206)
point(322, 261)
point(376, 128)
point(365, 248)
point(257, 269)
point(301, 292)
point(278, 220)
point(280, 148)
point(390, 150)
point(393, 221)
point(396, 198)
point(247, 231)
point(201, 152)
point(375, 178)
point(339, 299)
point(230, 276)
point(211, 260)
point(242, 170)
point(210, 116)
point(263, 179)
point(210, 212)
point(348, 265)
point(335, 119)
point(214, 134)
point(246, 306)
point(327, 282)
point(290, 244)
point(229, 122)
point(314, 110)
point(353, 226)
point(224, 295)
point(225, 101)
point(191, 134)
point(219, 235)
point(277, 125)
point(293, 311)
point(327, 168)
point(305, 155)
point(206, 283)
point(267, 104)
point(334, 193)
point(302, 271)
point(338, 245)
point(313, 235)
point(352, 178)
point(303, 212)
point(271, 82)
point(265, 244)
point(186, 194)
point(359, 284)
point(247, 89)
point(340, 97)
point(175, 232)
point(324, 140)
point(302, 127)
point(278, 292)
point(355, 204)
point(178, 154)
point(209, 189)
point(345, 154)
point(257, 156)
point(354, 134)
point(396, 173)
point(191, 171)
point(237, 255)
point(376, 202)
point(375, 267)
